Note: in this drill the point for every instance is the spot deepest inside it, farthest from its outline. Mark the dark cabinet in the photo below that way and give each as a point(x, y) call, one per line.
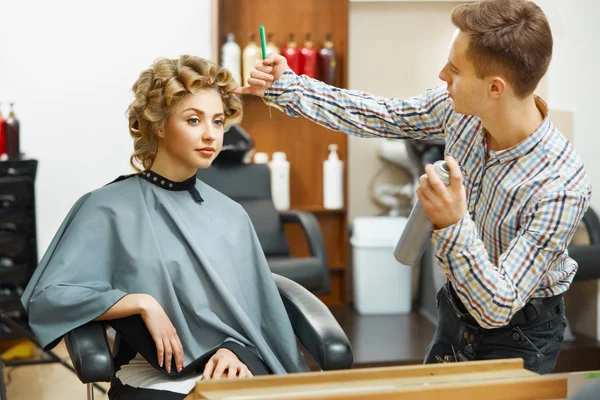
point(18, 240)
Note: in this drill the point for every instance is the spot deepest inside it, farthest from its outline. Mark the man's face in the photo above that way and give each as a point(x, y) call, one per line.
point(467, 91)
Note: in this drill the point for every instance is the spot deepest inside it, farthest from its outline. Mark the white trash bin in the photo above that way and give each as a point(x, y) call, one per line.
point(381, 284)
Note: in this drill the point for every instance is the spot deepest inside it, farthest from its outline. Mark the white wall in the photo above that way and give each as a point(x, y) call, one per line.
point(573, 76)
point(395, 49)
point(573, 85)
point(70, 65)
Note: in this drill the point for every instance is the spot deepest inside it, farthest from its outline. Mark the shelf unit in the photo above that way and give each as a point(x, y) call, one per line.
point(304, 142)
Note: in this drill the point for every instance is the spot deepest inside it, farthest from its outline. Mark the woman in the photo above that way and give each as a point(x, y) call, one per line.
point(162, 246)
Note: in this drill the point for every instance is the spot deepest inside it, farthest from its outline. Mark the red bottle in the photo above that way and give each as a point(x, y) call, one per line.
point(2, 135)
point(308, 58)
point(292, 55)
point(11, 133)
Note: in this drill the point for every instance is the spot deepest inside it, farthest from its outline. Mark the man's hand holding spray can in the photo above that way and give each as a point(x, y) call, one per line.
point(412, 243)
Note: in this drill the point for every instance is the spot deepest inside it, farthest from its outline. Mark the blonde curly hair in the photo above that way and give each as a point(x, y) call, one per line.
point(160, 88)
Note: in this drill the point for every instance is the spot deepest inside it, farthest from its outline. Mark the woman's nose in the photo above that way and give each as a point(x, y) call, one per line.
point(209, 134)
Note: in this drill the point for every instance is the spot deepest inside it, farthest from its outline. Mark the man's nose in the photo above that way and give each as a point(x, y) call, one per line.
point(443, 76)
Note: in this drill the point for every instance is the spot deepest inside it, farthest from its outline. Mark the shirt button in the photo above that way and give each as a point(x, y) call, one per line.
point(516, 336)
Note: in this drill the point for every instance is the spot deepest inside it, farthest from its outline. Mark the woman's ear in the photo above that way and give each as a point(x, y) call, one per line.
point(160, 133)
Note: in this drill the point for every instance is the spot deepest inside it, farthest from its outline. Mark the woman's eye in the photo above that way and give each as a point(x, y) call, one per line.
point(194, 121)
point(219, 122)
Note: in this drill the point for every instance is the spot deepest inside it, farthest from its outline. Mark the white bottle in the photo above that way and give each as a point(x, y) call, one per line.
point(280, 181)
point(333, 175)
point(261, 158)
point(250, 55)
point(231, 58)
point(271, 46)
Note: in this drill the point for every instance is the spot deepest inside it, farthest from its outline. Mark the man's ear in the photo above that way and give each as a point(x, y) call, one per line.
point(497, 87)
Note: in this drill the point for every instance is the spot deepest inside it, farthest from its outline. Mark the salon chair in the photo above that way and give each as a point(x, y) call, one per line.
point(250, 186)
point(313, 324)
point(587, 257)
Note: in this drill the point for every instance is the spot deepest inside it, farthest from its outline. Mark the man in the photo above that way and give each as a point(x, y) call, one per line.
point(518, 190)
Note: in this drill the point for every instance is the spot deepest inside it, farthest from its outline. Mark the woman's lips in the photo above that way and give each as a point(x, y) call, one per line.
point(206, 151)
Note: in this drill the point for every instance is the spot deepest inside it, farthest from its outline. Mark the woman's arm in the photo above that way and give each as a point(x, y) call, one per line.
point(130, 304)
point(158, 323)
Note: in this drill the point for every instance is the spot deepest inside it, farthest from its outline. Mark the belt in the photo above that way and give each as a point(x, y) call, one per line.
point(536, 312)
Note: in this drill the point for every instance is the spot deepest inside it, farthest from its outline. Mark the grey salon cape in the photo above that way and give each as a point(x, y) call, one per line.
point(201, 260)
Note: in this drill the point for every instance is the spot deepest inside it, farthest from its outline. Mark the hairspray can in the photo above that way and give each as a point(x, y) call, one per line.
point(411, 245)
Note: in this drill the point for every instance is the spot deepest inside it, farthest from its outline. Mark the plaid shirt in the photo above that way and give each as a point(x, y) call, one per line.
point(524, 202)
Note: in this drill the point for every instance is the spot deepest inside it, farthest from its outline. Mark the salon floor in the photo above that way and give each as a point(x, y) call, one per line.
point(376, 341)
point(47, 382)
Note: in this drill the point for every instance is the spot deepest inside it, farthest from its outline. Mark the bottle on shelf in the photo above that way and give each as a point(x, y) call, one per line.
point(251, 53)
point(271, 46)
point(11, 131)
point(231, 58)
point(327, 62)
point(2, 134)
point(280, 180)
point(333, 175)
point(292, 55)
point(261, 158)
point(308, 58)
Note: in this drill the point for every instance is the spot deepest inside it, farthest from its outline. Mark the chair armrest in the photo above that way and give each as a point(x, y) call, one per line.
point(309, 224)
point(587, 259)
point(315, 326)
point(90, 353)
point(590, 220)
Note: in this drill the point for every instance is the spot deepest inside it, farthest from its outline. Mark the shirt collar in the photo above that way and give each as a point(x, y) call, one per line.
point(524, 146)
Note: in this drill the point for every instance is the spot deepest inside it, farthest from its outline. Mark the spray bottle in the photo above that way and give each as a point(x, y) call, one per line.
point(412, 243)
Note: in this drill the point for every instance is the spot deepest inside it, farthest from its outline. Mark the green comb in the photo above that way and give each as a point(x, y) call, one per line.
point(263, 41)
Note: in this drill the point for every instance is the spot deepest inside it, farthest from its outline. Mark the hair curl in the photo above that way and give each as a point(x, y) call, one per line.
point(159, 90)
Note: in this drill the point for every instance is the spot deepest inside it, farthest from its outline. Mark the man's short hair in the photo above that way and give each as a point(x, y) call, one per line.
point(510, 38)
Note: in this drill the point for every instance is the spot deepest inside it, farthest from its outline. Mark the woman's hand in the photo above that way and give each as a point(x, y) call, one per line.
point(225, 364)
point(163, 333)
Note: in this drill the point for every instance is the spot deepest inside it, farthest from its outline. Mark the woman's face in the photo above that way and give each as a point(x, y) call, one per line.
point(193, 135)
